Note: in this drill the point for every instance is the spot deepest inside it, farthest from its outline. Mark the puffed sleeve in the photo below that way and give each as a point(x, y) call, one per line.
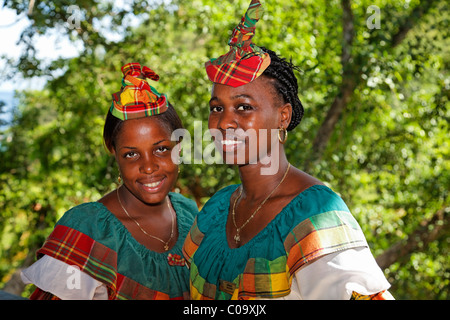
point(63, 281)
point(343, 275)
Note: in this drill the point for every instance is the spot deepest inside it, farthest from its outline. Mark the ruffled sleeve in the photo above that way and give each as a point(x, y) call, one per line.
point(343, 275)
point(327, 231)
point(63, 281)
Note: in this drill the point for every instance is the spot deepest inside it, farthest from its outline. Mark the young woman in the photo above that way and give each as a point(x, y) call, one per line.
point(126, 245)
point(280, 234)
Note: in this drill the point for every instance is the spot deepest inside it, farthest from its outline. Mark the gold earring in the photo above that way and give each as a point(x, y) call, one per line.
point(119, 179)
point(285, 135)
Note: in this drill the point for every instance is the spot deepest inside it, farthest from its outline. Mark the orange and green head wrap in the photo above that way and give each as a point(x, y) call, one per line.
point(137, 98)
point(245, 61)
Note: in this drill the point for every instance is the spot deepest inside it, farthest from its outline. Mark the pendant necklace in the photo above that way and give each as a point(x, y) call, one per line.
point(166, 243)
point(237, 237)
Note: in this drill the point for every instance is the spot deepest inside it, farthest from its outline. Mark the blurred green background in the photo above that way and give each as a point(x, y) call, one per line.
point(376, 128)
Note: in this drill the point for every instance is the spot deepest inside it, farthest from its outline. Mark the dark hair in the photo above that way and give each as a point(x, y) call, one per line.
point(286, 84)
point(169, 119)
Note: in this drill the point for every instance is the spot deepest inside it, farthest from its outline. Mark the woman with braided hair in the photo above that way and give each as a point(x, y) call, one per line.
point(280, 233)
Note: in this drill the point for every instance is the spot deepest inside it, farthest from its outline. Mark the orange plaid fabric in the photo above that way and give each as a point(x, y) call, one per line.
point(245, 61)
point(137, 98)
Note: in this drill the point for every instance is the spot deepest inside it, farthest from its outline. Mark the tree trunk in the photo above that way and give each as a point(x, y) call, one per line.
point(346, 89)
point(334, 113)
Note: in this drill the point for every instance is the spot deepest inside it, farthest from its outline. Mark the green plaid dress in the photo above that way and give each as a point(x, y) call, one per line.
point(315, 223)
point(91, 238)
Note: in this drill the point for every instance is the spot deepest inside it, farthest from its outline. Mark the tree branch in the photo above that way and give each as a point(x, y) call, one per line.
point(346, 89)
point(30, 8)
point(348, 31)
point(417, 13)
point(428, 231)
point(351, 73)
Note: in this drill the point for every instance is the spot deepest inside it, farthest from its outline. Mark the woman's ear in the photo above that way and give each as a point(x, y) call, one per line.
point(285, 112)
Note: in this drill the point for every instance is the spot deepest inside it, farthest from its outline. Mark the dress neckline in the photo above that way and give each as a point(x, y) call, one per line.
point(262, 232)
point(142, 248)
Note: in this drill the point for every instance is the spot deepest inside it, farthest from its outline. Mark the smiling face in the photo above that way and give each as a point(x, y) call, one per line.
point(238, 114)
point(143, 152)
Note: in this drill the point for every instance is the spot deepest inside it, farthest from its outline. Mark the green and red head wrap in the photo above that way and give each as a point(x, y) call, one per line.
point(245, 61)
point(137, 98)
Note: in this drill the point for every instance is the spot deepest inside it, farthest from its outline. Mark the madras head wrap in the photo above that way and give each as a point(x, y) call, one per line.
point(245, 61)
point(137, 98)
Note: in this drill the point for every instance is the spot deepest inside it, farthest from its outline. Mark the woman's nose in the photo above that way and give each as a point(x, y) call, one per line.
point(227, 121)
point(148, 165)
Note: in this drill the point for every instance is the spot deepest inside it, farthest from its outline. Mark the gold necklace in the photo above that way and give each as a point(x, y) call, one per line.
point(166, 244)
point(237, 237)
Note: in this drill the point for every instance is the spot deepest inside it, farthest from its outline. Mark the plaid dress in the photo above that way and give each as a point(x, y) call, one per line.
point(315, 223)
point(91, 238)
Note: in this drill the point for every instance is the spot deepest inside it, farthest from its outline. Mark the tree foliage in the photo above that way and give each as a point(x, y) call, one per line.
point(375, 127)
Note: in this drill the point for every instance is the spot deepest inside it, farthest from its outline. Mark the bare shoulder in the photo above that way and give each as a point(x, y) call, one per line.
point(109, 200)
point(298, 181)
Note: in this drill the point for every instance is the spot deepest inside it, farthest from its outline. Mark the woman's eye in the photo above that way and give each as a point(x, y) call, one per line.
point(162, 149)
point(244, 107)
point(215, 109)
point(130, 155)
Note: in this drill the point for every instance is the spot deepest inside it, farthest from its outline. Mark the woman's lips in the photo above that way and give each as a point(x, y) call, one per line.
point(230, 145)
point(153, 186)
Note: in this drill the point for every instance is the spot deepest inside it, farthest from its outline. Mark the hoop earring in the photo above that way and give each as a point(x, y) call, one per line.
point(285, 135)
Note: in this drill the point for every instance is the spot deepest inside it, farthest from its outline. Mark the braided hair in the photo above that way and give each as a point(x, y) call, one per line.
point(286, 84)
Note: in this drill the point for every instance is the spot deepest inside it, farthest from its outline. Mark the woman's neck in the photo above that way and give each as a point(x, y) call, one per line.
point(139, 209)
point(261, 178)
